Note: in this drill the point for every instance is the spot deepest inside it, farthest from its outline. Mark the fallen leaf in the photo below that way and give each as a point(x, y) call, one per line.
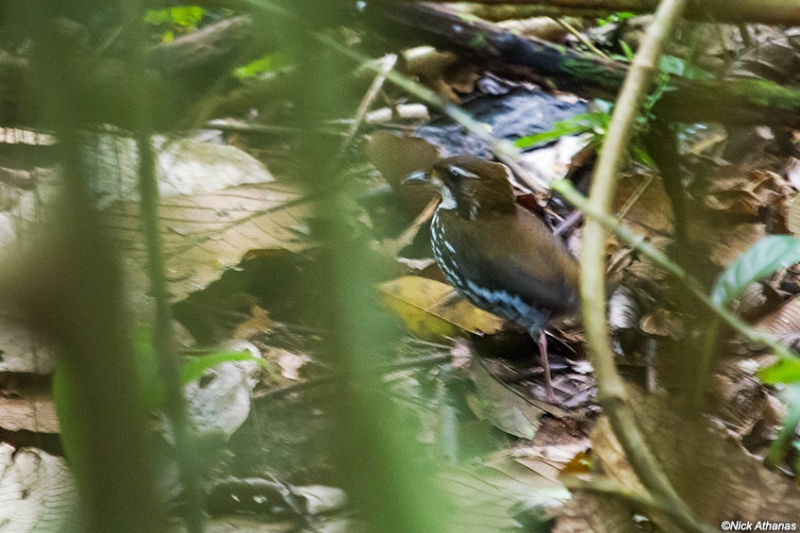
point(259, 322)
point(291, 363)
point(37, 492)
point(431, 309)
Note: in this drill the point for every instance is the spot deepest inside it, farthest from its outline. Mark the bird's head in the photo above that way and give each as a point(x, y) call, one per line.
point(473, 187)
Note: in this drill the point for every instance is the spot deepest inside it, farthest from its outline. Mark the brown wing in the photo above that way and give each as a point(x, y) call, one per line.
point(518, 254)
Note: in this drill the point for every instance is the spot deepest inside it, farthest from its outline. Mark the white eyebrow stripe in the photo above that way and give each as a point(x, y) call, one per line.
point(461, 172)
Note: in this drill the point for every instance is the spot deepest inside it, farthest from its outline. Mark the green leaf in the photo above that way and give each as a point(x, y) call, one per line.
point(478, 41)
point(151, 384)
point(74, 434)
point(672, 65)
point(775, 454)
point(193, 367)
point(784, 371)
point(262, 65)
point(570, 126)
point(679, 67)
point(615, 17)
point(626, 49)
point(641, 155)
point(188, 16)
point(546, 136)
point(759, 261)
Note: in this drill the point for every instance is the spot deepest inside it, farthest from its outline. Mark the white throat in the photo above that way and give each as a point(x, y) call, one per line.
point(448, 200)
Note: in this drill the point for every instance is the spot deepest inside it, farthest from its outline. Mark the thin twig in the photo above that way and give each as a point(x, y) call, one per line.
point(639, 243)
point(497, 146)
point(236, 126)
point(612, 394)
point(568, 223)
point(407, 237)
point(632, 199)
point(175, 402)
point(417, 362)
point(386, 65)
point(642, 501)
point(581, 37)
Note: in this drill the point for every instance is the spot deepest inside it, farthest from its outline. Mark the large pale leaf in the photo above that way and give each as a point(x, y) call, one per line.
point(184, 167)
point(205, 234)
point(217, 203)
point(37, 492)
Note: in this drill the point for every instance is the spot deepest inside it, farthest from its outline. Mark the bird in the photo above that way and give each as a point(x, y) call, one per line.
point(497, 254)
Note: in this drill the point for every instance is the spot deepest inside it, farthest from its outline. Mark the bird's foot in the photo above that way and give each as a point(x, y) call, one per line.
point(548, 382)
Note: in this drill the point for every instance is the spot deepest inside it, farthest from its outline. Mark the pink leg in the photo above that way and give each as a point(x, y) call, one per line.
point(548, 385)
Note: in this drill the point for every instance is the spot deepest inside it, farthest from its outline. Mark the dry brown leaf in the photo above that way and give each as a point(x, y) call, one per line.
point(645, 209)
point(259, 322)
point(741, 399)
point(792, 171)
point(775, 58)
point(744, 195)
point(793, 215)
point(444, 72)
point(217, 203)
point(206, 234)
point(661, 323)
point(184, 167)
point(398, 157)
point(551, 460)
point(485, 496)
point(595, 513)
point(579, 465)
point(218, 403)
point(290, 363)
point(431, 311)
point(712, 473)
point(784, 322)
point(504, 407)
point(729, 242)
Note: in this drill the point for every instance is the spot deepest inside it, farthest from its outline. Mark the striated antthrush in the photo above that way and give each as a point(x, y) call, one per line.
point(498, 255)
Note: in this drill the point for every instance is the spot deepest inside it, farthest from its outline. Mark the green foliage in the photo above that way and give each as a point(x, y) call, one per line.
point(187, 17)
point(263, 65)
point(149, 381)
point(784, 371)
point(175, 18)
point(626, 49)
point(762, 259)
point(478, 41)
point(787, 433)
point(615, 18)
point(679, 67)
point(595, 122)
point(74, 433)
point(193, 367)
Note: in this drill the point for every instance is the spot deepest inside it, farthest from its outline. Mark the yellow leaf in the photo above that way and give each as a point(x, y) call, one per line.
point(432, 310)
